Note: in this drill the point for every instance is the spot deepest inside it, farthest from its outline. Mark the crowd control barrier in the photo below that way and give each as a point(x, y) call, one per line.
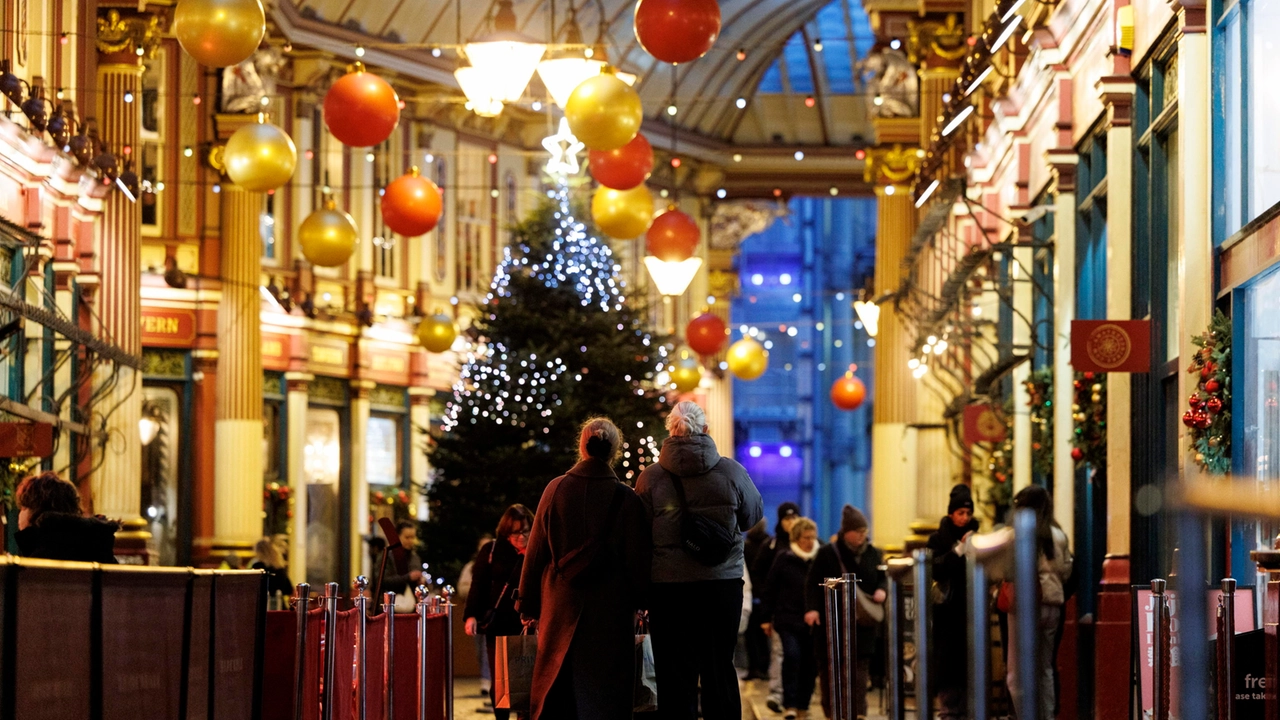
point(354, 664)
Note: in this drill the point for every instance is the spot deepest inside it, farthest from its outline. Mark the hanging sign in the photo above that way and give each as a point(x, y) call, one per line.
point(19, 440)
point(1111, 346)
point(982, 424)
point(168, 327)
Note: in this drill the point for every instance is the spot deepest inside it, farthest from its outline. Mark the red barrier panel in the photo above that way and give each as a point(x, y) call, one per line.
point(53, 640)
point(376, 638)
point(437, 628)
point(143, 619)
point(314, 669)
point(278, 665)
point(344, 653)
point(198, 653)
point(240, 602)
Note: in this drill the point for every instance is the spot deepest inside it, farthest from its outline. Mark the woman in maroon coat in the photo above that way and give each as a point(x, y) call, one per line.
point(585, 574)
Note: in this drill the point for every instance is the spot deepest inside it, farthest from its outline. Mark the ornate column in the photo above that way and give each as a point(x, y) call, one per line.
point(296, 403)
point(238, 428)
point(893, 433)
point(117, 483)
point(1064, 161)
point(360, 563)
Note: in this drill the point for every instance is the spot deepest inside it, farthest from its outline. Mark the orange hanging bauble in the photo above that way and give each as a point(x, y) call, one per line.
point(677, 31)
point(625, 167)
point(411, 204)
point(361, 109)
point(673, 236)
point(706, 334)
point(848, 392)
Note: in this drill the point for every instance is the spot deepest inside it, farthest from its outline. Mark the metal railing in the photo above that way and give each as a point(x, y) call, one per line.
point(842, 648)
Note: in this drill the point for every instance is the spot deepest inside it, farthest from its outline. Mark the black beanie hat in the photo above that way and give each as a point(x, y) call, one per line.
point(961, 497)
point(851, 518)
point(788, 509)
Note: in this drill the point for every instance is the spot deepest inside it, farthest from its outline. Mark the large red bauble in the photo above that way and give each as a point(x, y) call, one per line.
point(1077, 454)
point(411, 205)
point(624, 168)
point(1212, 386)
point(361, 109)
point(848, 392)
point(706, 334)
point(677, 31)
point(673, 236)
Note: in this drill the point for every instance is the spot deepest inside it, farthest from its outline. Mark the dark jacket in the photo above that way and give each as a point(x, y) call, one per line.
point(757, 538)
point(718, 487)
point(495, 587)
point(949, 617)
point(772, 546)
point(591, 621)
point(62, 536)
point(393, 581)
point(783, 602)
point(277, 579)
point(865, 564)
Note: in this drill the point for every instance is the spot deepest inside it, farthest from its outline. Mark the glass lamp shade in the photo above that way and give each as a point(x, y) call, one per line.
point(672, 278)
point(869, 314)
point(480, 100)
point(148, 429)
point(504, 63)
point(563, 75)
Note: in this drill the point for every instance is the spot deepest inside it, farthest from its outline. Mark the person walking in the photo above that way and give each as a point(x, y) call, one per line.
point(51, 526)
point(464, 593)
point(757, 643)
point(850, 552)
point(784, 607)
point(267, 557)
point(586, 573)
point(694, 497)
point(403, 585)
point(490, 610)
point(788, 513)
point(947, 595)
point(1054, 567)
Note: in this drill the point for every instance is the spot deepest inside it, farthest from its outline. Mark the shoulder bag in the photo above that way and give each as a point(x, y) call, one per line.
point(706, 540)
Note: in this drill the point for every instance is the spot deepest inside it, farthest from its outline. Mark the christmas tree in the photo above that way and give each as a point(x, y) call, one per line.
point(556, 343)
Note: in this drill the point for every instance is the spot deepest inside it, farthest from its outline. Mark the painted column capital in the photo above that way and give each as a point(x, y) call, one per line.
point(1063, 162)
point(1117, 92)
point(895, 165)
point(125, 36)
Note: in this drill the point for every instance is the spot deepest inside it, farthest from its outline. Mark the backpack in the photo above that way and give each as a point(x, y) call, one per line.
point(706, 540)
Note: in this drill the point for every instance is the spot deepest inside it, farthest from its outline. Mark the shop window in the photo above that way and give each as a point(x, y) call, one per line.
point(1091, 229)
point(1257, 398)
point(1247, 182)
point(322, 466)
point(383, 458)
point(1157, 205)
point(161, 453)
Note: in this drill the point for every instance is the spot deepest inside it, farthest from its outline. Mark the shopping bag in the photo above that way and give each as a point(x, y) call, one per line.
point(646, 684)
point(513, 671)
point(870, 612)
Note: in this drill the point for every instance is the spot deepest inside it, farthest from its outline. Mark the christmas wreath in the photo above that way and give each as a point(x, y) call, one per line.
point(277, 508)
point(1040, 402)
point(1209, 414)
point(1089, 411)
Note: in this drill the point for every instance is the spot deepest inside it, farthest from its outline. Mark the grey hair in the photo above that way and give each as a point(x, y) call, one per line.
point(686, 418)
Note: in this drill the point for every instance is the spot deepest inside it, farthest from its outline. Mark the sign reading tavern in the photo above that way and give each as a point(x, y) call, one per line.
point(168, 328)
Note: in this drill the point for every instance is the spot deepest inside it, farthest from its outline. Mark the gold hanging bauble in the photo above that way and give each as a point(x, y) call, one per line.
point(686, 372)
point(622, 214)
point(437, 333)
point(260, 157)
point(747, 359)
point(328, 236)
point(219, 33)
point(604, 113)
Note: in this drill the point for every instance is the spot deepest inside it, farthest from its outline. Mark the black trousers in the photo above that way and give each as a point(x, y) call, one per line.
point(694, 627)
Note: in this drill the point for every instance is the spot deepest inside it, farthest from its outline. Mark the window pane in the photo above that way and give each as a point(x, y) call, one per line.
point(1173, 248)
point(161, 456)
point(382, 461)
point(1232, 120)
point(322, 462)
point(1260, 449)
point(1264, 142)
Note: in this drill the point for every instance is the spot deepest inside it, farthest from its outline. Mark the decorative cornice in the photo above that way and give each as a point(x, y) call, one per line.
point(895, 165)
point(1117, 92)
point(124, 34)
point(1193, 18)
point(929, 40)
point(1064, 164)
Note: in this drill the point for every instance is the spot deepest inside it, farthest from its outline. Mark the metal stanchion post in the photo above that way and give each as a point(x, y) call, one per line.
point(389, 651)
point(330, 638)
point(1158, 681)
point(849, 620)
point(362, 648)
point(1026, 581)
point(1227, 643)
point(831, 596)
point(446, 596)
point(424, 599)
point(301, 600)
point(921, 578)
point(897, 570)
point(979, 635)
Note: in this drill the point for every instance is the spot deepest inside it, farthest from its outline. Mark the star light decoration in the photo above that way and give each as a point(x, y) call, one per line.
point(505, 388)
point(564, 148)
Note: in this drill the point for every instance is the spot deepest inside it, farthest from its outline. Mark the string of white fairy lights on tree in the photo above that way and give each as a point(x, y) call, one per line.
point(505, 388)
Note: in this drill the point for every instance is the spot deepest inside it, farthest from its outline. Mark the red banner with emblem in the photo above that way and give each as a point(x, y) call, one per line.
point(26, 440)
point(1106, 346)
point(983, 424)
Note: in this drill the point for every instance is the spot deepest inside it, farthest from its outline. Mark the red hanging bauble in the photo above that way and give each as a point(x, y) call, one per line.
point(1203, 421)
point(706, 334)
point(677, 31)
point(411, 205)
point(1078, 385)
point(848, 392)
point(1213, 405)
point(1194, 401)
point(673, 236)
point(1189, 418)
point(1212, 386)
point(1207, 370)
point(361, 109)
point(1077, 454)
point(624, 168)
point(1088, 376)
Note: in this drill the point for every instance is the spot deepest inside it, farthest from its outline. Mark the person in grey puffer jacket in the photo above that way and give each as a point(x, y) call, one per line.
point(694, 609)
